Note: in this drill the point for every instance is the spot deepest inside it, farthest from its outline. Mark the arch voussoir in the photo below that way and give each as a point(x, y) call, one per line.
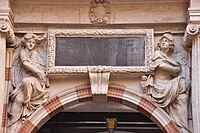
point(116, 93)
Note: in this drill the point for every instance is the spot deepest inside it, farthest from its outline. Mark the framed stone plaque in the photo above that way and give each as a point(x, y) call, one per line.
point(99, 50)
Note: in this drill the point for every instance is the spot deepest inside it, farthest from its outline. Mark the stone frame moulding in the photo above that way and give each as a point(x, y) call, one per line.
point(147, 34)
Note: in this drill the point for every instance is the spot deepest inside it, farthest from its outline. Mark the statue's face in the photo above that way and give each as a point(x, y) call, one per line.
point(30, 44)
point(165, 44)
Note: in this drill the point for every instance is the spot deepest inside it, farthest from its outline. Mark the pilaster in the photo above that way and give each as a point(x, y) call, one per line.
point(192, 39)
point(194, 3)
point(196, 83)
point(7, 37)
point(2, 78)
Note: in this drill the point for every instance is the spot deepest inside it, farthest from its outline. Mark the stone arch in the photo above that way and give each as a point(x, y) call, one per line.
point(82, 93)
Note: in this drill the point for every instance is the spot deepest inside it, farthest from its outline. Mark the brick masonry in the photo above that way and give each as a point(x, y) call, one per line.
point(115, 92)
point(84, 93)
point(28, 127)
point(146, 107)
point(5, 115)
point(53, 106)
point(171, 128)
point(7, 74)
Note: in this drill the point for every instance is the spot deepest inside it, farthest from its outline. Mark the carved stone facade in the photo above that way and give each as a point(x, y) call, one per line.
point(164, 86)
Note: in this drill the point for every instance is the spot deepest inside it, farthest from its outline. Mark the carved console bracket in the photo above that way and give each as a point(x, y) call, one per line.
point(5, 27)
point(99, 84)
point(191, 31)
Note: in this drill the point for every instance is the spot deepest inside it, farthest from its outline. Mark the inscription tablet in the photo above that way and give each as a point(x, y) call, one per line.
point(94, 51)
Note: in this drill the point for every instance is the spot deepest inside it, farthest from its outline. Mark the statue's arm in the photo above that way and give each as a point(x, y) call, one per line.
point(167, 67)
point(28, 65)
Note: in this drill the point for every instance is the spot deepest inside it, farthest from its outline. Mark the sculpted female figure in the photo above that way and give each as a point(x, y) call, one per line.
point(166, 88)
point(29, 81)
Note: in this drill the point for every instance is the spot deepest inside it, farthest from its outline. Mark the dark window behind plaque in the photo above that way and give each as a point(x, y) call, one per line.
point(94, 51)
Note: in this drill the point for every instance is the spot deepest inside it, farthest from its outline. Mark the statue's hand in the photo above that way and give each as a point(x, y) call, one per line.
point(176, 70)
point(42, 76)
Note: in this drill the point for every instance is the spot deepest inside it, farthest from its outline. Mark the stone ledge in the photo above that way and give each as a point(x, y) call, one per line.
point(193, 15)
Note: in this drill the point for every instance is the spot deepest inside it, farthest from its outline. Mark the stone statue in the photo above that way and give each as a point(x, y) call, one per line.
point(167, 88)
point(29, 82)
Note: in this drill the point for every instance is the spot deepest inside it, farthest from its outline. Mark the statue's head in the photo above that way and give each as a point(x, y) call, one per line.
point(166, 41)
point(29, 41)
point(33, 39)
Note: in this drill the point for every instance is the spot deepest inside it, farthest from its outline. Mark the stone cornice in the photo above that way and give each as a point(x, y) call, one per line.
point(193, 15)
point(88, 1)
point(191, 31)
point(7, 14)
point(6, 28)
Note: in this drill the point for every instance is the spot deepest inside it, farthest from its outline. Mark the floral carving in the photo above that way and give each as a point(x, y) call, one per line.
point(99, 12)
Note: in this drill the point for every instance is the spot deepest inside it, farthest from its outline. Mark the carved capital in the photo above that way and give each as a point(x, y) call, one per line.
point(191, 31)
point(99, 12)
point(5, 28)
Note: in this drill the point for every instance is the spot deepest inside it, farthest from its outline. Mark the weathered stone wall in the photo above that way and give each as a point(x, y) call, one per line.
point(135, 13)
